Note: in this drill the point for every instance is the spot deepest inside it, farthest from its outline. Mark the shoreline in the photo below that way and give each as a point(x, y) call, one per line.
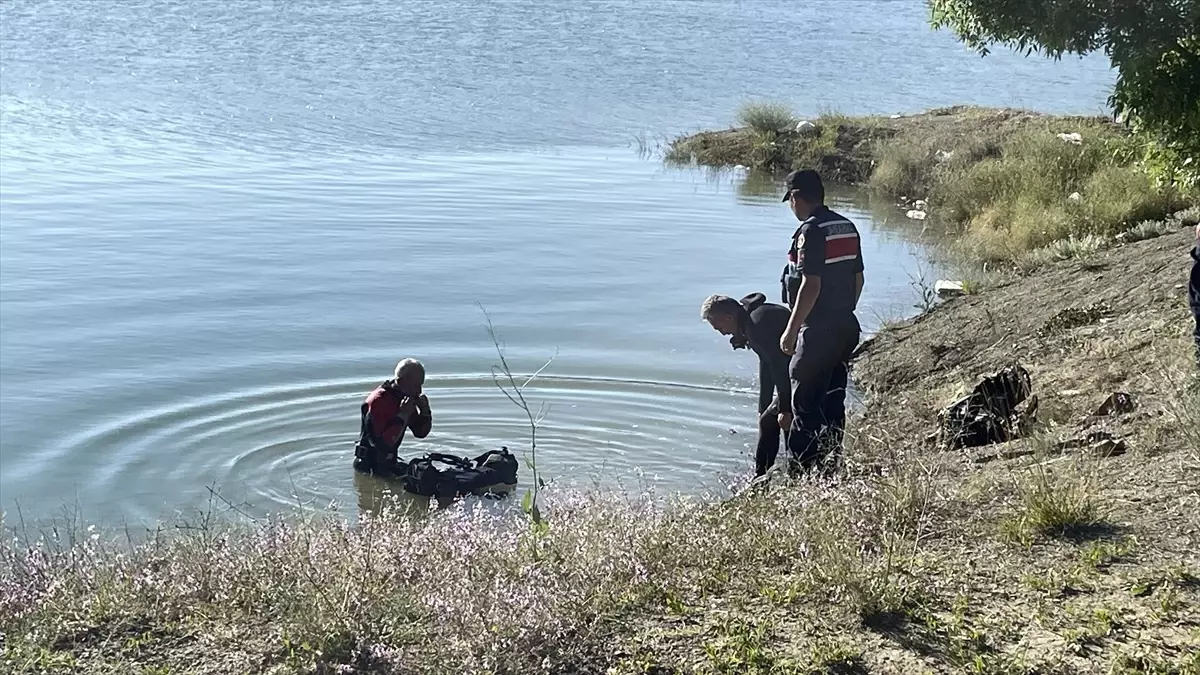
point(917, 560)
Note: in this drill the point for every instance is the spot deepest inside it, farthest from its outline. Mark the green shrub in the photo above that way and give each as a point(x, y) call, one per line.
point(767, 118)
point(1149, 229)
point(1116, 198)
point(1042, 190)
point(1052, 504)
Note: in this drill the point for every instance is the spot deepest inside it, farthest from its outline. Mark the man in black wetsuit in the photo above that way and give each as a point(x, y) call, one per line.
point(755, 323)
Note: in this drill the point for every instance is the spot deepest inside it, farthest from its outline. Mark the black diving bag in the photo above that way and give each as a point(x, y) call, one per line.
point(437, 474)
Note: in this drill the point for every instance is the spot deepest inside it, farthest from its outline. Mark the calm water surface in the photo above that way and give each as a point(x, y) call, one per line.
point(221, 223)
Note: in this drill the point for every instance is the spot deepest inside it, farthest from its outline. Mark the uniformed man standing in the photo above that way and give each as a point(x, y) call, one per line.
point(822, 283)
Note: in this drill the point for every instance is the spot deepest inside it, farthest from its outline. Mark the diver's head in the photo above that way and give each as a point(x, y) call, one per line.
point(722, 313)
point(410, 377)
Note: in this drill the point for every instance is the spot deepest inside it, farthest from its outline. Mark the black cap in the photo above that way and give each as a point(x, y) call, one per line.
point(807, 182)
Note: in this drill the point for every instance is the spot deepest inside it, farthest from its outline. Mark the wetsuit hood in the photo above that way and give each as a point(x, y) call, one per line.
point(749, 304)
point(753, 301)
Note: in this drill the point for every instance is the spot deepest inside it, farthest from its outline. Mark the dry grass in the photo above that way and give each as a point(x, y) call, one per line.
point(460, 592)
point(899, 566)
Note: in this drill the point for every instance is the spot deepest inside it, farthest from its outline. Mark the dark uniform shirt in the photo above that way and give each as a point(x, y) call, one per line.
point(825, 245)
point(762, 326)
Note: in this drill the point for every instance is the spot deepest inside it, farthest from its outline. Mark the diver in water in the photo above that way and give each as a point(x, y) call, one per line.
point(394, 407)
point(755, 323)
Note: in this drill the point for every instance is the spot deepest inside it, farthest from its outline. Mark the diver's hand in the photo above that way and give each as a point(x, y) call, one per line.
point(785, 421)
point(423, 403)
point(408, 407)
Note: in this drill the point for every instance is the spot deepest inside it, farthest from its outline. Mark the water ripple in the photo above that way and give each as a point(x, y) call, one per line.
point(270, 447)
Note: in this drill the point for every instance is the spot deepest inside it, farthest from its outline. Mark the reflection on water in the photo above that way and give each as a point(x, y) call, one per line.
point(379, 497)
point(387, 499)
point(757, 187)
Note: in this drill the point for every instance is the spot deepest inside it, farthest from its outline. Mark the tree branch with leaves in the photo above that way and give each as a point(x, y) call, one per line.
point(1154, 45)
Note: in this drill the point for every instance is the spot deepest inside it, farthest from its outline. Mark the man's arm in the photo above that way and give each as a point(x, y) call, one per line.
point(765, 385)
point(810, 285)
point(782, 379)
point(858, 286)
point(810, 288)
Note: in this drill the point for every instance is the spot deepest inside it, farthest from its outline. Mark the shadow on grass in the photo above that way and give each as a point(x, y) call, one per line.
point(855, 666)
point(1083, 533)
point(899, 627)
point(920, 630)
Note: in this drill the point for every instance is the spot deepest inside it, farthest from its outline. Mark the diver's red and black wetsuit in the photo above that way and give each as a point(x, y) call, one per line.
point(383, 428)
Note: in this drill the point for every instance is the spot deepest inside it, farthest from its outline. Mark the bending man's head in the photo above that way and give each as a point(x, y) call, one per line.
point(410, 377)
point(721, 312)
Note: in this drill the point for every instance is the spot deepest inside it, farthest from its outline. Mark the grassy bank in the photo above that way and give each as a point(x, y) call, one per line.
point(1009, 181)
point(1021, 558)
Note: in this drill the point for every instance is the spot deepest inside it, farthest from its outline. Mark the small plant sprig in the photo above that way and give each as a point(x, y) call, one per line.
point(506, 382)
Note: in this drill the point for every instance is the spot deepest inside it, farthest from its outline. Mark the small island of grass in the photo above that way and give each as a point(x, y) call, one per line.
point(1011, 182)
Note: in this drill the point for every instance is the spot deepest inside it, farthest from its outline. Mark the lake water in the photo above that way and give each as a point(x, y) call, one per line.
point(221, 224)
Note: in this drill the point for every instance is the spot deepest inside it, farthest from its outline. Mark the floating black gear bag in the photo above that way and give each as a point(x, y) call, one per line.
point(437, 474)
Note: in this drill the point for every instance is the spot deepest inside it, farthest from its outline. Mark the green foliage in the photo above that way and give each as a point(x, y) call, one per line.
point(740, 647)
point(1154, 45)
point(1042, 191)
point(832, 657)
point(1052, 505)
point(911, 164)
point(767, 118)
point(972, 287)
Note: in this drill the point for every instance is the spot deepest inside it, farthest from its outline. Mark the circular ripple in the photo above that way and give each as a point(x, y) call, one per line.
point(273, 448)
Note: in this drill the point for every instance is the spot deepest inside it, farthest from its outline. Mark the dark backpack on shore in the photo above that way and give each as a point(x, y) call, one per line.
point(991, 413)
